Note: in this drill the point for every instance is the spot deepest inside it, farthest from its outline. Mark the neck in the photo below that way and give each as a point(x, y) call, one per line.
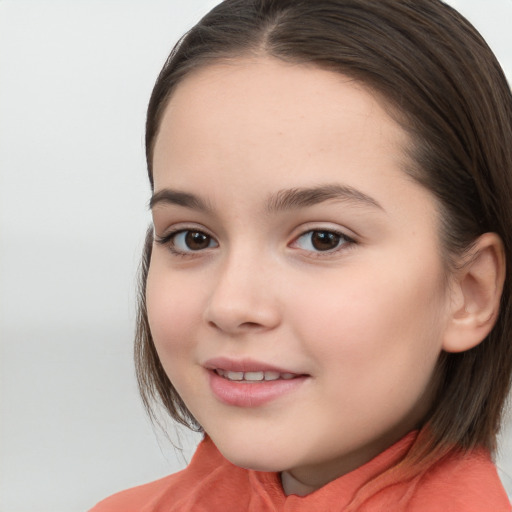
point(292, 485)
point(304, 480)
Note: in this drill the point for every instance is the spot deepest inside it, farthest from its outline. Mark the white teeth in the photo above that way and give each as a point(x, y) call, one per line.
point(235, 375)
point(254, 376)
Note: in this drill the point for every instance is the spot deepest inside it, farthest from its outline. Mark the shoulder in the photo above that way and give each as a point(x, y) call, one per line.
point(137, 498)
point(461, 482)
point(204, 479)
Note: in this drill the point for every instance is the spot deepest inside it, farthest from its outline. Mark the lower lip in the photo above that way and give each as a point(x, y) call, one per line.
point(251, 394)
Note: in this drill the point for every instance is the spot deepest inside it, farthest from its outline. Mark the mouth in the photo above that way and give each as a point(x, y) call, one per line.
point(254, 376)
point(248, 383)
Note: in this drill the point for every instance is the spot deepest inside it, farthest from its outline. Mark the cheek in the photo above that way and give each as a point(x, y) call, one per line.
point(374, 349)
point(172, 312)
point(373, 324)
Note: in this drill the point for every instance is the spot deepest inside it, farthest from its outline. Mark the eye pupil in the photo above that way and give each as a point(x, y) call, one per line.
point(324, 240)
point(196, 241)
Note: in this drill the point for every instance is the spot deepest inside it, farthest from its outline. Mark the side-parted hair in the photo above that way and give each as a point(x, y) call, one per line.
point(447, 90)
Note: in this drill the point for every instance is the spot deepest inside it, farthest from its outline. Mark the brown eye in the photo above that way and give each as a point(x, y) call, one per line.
point(322, 241)
point(195, 240)
point(188, 241)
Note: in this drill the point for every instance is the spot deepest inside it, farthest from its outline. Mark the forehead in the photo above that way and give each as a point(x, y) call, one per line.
point(285, 101)
point(242, 123)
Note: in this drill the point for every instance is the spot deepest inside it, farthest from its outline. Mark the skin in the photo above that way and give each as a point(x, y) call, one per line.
point(365, 321)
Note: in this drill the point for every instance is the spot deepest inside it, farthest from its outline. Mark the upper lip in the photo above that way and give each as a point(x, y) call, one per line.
point(244, 365)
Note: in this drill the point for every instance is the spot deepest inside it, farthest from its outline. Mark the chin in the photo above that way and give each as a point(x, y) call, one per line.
point(253, 456)
point(257, 463)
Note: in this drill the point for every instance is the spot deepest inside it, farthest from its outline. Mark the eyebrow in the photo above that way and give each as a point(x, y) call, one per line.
point(288, 199)
point(168, 196)
point(302, 197)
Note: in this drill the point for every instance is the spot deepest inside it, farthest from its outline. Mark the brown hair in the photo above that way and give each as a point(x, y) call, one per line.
point(439, 75)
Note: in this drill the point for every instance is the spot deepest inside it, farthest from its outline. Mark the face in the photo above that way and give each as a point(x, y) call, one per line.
point(296, 293)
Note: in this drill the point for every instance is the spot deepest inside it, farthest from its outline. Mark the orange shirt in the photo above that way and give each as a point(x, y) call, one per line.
point(457, 483)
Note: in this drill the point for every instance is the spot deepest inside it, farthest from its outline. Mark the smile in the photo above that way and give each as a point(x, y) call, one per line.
point(254, 376)
point(252, 388)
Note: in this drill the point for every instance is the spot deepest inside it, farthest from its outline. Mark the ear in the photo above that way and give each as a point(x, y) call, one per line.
point(475, 294)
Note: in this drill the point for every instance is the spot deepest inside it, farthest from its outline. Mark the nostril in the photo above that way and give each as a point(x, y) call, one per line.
point(213, 324)
point(250, 325)
point(230, 316)
point(246, 325)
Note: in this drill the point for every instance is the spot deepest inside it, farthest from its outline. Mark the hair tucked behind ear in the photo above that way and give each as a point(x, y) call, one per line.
point(446, 88)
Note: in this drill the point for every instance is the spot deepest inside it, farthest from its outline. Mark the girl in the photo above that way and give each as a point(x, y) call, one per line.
point(326, 288)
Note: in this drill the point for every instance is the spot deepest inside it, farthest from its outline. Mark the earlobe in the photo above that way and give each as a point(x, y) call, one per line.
point(476, 294)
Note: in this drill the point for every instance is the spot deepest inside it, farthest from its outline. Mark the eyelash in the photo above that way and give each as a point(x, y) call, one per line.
point(168, 240)
point(343, 241)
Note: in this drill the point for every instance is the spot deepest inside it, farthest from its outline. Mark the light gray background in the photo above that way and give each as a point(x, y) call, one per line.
point(75, 77)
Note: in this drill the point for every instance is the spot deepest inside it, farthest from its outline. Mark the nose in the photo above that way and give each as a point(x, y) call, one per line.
point(244, 297)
